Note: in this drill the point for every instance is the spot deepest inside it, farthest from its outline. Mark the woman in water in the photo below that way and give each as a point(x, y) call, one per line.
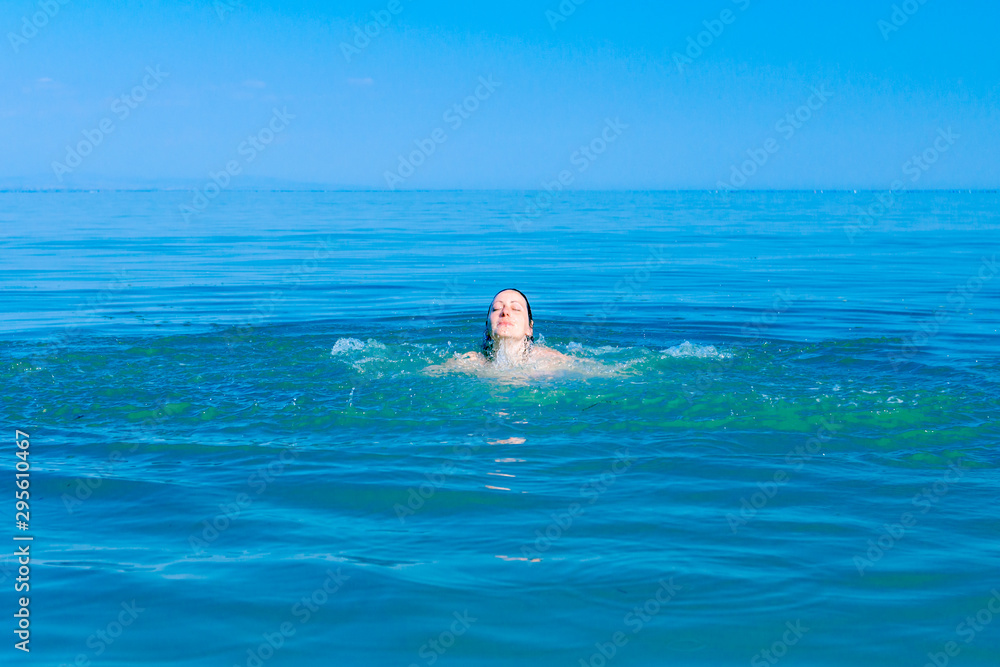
point(508, 339)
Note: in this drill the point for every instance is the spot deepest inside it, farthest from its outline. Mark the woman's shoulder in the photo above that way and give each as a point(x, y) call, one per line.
point(458, 362)
point(474, 357)
point(548, 353)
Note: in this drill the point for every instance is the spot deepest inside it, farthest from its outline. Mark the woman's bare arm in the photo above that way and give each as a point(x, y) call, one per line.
point(460, 363)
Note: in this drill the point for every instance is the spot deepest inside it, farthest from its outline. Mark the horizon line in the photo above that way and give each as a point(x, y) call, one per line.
point(92, 190)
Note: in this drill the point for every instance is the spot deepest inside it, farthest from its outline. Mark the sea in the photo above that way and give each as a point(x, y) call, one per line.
point(775, 442)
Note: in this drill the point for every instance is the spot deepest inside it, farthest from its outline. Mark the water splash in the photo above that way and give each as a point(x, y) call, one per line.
point(345, 345)
point(688, 349)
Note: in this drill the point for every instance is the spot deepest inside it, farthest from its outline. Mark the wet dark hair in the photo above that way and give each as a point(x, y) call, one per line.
point(487, 344)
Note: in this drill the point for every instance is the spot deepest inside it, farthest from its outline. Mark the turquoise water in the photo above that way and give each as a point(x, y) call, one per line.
point(778, 442)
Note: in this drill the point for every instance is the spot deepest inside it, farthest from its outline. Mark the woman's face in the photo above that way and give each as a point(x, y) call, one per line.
point(509, 316)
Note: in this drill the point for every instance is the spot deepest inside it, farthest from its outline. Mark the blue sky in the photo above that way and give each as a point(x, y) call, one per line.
point(890, 93)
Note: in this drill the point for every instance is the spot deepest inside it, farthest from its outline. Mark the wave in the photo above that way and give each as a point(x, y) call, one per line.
point(347, 347)
point(344, 345)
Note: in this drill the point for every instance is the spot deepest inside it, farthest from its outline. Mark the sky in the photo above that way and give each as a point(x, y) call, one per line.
point(413, 94)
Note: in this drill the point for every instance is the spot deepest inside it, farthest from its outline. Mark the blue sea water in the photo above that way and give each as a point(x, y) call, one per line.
point(779, 443)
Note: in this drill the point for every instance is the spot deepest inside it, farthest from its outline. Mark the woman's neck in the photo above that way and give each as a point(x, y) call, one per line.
point(510, 351)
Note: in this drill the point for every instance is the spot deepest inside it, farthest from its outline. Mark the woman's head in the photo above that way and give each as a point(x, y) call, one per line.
point(508, 322)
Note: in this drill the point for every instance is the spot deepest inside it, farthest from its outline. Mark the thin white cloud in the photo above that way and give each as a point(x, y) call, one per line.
point(49, 84)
